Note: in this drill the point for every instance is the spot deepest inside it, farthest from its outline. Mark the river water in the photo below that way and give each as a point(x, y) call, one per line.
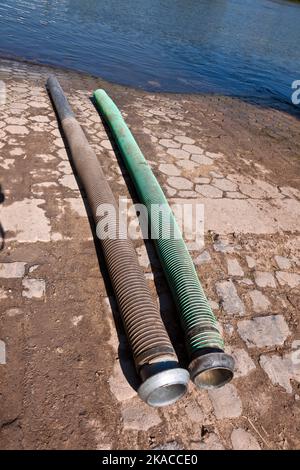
point(244, 48)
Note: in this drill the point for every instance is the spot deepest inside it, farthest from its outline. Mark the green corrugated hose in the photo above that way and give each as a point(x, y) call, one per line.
point(210, 366)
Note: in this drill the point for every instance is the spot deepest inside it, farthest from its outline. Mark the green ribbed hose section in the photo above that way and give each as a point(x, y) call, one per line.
point(197, 319)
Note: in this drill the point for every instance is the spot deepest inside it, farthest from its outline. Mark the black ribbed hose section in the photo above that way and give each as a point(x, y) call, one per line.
point(155, 359)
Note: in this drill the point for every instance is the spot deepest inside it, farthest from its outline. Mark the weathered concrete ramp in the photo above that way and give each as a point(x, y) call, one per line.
point(66, 375)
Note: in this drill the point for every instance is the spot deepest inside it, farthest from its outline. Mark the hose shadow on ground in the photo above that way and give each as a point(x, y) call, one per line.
point(2, 232)
point(167, 307)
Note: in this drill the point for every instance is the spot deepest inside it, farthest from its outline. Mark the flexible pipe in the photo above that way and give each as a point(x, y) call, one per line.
point(209, 366)
point(155, 359)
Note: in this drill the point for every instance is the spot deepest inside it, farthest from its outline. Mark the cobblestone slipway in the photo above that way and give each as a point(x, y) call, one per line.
point(66, 375)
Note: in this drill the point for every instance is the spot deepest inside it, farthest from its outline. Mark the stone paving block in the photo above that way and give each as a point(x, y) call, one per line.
point(17, 152)
point(243, 440)
point(193, 149)
point(77, 205)
point(194, 412)
point(187, 165)
point(260, 302)
point(138, 416)
point(223, 246)
point(226, 402)
point(224, 184)
point(172, 445)
point(65, 167)
point(187, 194)
point(235, 195)
point(229, 329)
point(169, 191)
point(69, 181)
point(33, 288)
point(208, 191)
point(234, 268)
point(26, 220)
point(264, 217)
point(13, 312)
point(40, 119)
point(202, 160)
point(283, 263)
point(282, 369)
point(168, 143)
point(16, 120)
point(202, 180)
point(243, 362)
point(178, 153)
point(211, 442)
point(19, 130)
point(179, 182)
point(202, 258)
point(250, 262)
point(118, 383)
point(265, 279)
point(215, 174)
point(214, 305)
point(262, 332)
point(182, 139)
point(290, 279)
point(62, 153)
point(231, 302)
point(12, 270)
point(169, 169)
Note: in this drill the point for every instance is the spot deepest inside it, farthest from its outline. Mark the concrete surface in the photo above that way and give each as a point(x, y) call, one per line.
point(66, 374)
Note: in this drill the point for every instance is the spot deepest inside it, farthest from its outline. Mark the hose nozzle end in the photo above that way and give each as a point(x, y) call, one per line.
point(212, 370)
point(165, 387)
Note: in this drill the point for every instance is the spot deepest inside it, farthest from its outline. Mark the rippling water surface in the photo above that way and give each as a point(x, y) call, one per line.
point(248, 48)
